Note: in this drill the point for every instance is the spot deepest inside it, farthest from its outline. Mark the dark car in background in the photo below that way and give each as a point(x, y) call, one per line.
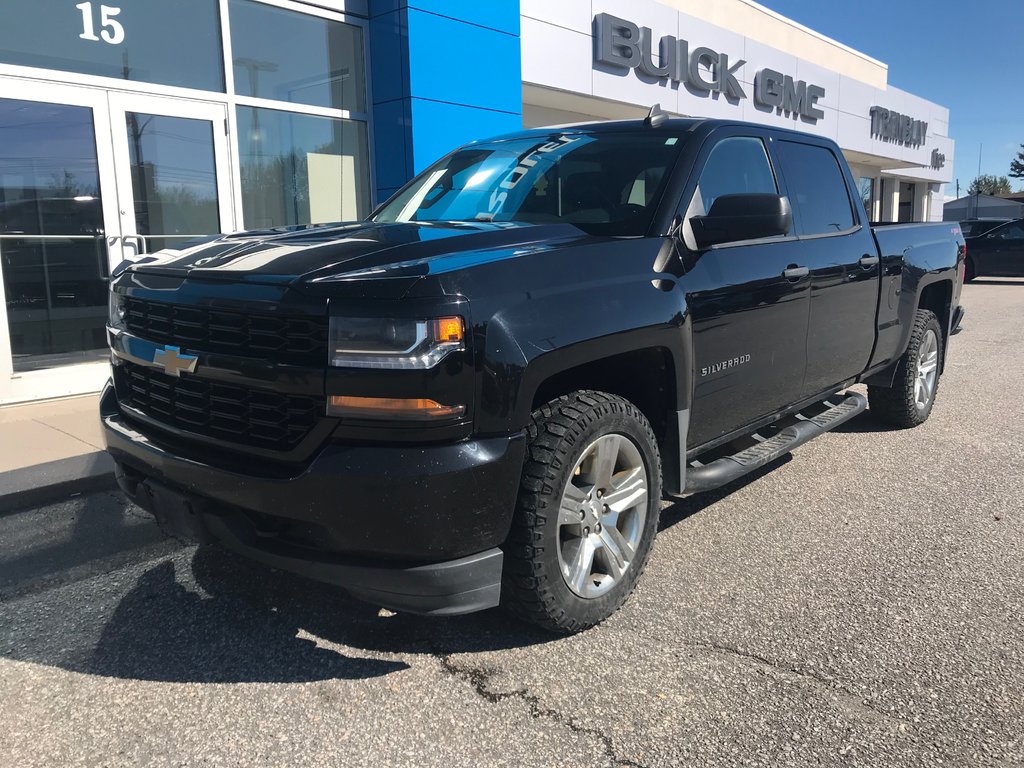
point(999, 252)
point(979, 226)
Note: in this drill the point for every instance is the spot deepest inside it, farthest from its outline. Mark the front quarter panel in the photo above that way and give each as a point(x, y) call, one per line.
point(546, 312)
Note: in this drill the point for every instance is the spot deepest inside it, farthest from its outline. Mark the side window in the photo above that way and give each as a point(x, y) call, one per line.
point(1011, 232)
point(817, 189)
point(736, 165)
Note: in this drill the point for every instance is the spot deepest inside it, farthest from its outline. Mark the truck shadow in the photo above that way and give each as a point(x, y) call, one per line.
point(679, 510)
point(864, 422)
point(205, 615)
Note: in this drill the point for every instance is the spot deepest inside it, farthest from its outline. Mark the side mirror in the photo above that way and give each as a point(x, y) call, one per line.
point(746, 216)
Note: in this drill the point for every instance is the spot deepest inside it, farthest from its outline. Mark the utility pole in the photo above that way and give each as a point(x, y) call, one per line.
point(977, 191)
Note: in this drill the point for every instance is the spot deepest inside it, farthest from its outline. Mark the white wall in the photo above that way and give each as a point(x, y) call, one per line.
point(558, 52)
point(764, 25)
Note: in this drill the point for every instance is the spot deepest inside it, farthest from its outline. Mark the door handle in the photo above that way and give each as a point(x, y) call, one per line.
point(141, 240)
point(795, 273)
point(868, 262)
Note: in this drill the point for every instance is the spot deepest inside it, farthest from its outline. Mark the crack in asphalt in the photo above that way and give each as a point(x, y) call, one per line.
point(847, 698)
point(479, 680)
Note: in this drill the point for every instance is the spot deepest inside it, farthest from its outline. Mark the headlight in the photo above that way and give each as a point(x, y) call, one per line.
point(116, 310)
point(394, 344)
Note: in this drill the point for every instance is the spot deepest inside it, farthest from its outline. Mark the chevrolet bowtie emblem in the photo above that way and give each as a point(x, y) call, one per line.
point(174, 362)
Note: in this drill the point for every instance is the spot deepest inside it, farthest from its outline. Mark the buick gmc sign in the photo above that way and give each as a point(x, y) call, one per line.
point(622, 44)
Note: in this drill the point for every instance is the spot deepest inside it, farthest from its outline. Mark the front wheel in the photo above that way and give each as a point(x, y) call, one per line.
point(910, 399)
point(587, 512)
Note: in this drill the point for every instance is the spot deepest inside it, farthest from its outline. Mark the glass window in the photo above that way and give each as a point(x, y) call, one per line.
point(817, 189)
point(289, 56)
point(153, 41)
point(52, 249)
point(735, 166)
point(301, 169)
point(608, 183)
point(1009, 232)
point(174, 180)
point(976, 228)
point(866, 188)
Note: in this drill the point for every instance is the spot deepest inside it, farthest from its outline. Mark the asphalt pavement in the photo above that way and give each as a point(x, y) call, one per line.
point(856, 604)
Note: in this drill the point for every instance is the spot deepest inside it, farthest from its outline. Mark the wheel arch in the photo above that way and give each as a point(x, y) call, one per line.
point(937, 297)
point(653, 378)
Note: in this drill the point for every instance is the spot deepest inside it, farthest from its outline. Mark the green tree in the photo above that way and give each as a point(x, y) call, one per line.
point(987, 184)
point(1017, 164)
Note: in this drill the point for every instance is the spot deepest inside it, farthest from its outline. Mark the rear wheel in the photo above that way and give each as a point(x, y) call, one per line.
point(587, 512)
point(910, 399)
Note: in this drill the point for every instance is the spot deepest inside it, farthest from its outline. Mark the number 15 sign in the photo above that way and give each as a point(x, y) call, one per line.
point(112, 31)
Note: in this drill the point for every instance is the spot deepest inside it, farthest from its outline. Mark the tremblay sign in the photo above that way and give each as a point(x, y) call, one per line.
point(623, 44)
point(901, 129)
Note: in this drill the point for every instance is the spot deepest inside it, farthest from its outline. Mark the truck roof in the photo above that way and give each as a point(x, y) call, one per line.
point(671, 126)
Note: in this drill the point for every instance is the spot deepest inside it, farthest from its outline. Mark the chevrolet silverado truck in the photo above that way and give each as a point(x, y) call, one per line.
point(480, 394)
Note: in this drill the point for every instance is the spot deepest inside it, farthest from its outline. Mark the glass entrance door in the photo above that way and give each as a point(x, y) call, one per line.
point(171, 162)
point(89, 177)
point(57, 203)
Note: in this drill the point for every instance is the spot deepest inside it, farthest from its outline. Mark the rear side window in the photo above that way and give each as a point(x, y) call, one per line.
point(735, 166)
point(817, 189)
point(1009, 232)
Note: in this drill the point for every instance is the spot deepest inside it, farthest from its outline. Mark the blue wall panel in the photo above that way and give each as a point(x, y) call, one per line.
point(463, 64)
point(493, 14)
point(389, 56)
point(392, 134)
point(452, 125)
point(443, 72)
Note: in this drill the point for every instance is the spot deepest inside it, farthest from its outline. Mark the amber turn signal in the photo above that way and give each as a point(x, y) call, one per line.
point(448, 329)
point(391, 408)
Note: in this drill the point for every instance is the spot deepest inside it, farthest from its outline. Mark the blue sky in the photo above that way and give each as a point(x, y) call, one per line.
point(965, 56)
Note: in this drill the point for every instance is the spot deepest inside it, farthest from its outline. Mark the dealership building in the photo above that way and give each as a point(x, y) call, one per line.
point(128, 126)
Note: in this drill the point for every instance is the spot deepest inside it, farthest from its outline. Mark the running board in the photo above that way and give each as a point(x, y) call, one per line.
point(705, 477)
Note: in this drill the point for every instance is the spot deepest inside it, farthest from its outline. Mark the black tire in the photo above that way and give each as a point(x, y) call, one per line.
point(533, 587)
point(897, 405)
point(969, 270)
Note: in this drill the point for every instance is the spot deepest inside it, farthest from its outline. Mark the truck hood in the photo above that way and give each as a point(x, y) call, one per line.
point(360, 250)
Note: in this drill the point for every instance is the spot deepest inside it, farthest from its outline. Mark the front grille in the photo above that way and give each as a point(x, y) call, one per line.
point(292, 340)
point(252, 417)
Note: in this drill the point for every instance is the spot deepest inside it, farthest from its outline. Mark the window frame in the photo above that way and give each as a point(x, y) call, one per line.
point(234, 100)
point(1006, 227)
point(708, 145)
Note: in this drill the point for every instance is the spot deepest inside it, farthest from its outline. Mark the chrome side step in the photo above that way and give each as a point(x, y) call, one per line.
point(705, 477)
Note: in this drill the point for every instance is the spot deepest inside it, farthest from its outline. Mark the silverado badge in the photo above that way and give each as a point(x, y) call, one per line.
point(173, 361)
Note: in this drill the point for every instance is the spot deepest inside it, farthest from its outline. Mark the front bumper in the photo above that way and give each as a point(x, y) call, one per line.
point(410, 527)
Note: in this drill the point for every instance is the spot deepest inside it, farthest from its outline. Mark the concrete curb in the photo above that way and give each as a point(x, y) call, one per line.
point(56, 480)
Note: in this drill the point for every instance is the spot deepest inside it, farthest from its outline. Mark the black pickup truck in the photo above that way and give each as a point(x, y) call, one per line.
point(480, 394)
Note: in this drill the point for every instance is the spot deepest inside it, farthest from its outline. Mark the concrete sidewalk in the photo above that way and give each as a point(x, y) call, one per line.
point(51, 450)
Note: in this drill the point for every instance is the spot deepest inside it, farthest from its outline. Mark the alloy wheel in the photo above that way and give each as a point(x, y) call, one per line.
point(927, 369)
point(601, 516)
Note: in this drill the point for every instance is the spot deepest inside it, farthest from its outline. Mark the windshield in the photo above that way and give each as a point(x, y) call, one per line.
point(606, 183)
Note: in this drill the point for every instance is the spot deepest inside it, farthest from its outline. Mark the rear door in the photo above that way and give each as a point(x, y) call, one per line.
point(837, 246)
point(749, 319)
point(1006, 250)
